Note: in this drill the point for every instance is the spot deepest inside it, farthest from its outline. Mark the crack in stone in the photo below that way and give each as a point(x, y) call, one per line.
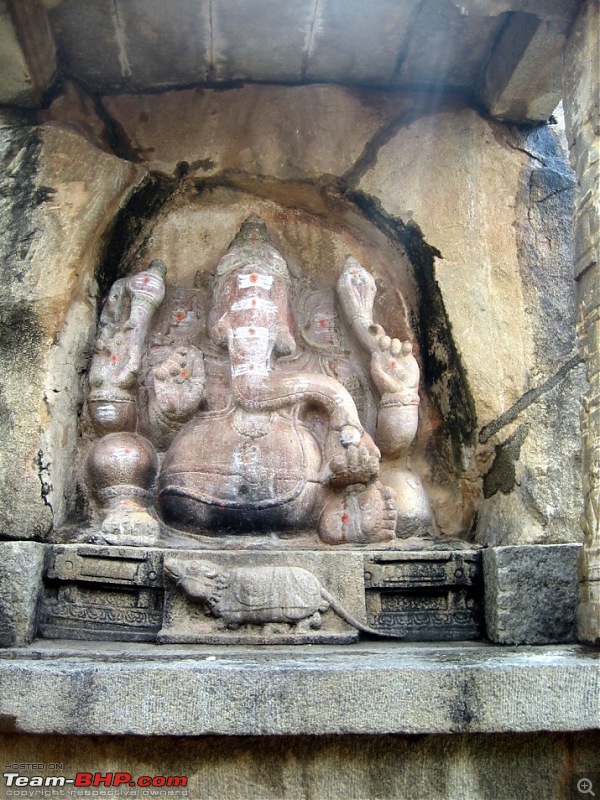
point(368, 157)
point(310, 40)
point(553, 194)
point(403, 53)
point(211, 43)
point(46, 485)
point(527, 399)
point(527, 153)
point(370, 153)
point(121, 42)
point(114, 133)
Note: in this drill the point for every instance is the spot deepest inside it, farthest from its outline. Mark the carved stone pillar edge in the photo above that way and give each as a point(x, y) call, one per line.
point(581, 85)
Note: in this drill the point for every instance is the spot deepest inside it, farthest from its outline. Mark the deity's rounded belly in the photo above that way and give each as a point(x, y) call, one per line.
point(242, 469)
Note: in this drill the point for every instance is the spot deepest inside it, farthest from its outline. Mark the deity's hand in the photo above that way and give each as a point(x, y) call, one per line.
point(395, 371)
point(179, 382)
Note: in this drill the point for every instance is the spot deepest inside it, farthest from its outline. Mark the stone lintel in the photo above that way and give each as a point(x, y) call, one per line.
point(27, 52)
point(523, 79)
point(367, 688)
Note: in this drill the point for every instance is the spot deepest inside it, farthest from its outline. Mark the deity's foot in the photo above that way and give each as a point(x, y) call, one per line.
point(414, 512)
point(361, 514)
point(352, 465)
point(131, 526)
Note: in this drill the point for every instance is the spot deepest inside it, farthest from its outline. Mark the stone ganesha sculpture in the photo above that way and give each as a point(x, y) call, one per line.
point(275, 446)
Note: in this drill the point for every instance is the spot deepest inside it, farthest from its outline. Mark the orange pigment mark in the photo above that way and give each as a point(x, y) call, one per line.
point(184, 373)
point(180, 315)
point(253, 277)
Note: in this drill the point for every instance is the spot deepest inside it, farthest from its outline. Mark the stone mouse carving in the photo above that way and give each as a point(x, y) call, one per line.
point(258, 595)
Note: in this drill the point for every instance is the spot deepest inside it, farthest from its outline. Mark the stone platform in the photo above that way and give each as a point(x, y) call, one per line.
point(365, 688)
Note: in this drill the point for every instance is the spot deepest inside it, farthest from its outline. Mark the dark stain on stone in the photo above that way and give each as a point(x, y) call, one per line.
point(43, 469)
point(7, 421)
point(501, 477)
point(20, 170)
point(8, 724)
point(466, 705)
point(20, 334)
point(143, 204)
point(43, 194)
point(115, 134)
point(205, 164)
point(368, 157)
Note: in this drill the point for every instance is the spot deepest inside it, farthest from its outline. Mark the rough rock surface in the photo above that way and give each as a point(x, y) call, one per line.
point(20, 583)
point(504, 273)
point(296, 132)
point(59, 195)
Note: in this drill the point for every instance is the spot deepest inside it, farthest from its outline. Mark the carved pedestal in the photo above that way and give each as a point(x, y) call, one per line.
point(272, 596)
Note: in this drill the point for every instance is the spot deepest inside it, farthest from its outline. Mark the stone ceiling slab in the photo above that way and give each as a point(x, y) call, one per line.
point(474, 46)
point(111, 44)
point(523, 78)
point(358, 42)
point(447, 46)
point(261, 40)
point(152, 45)
point(27, 54)
point(88, 42)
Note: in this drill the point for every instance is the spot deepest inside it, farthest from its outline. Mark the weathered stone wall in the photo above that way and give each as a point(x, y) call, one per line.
point(468, 216)
point(581, 84)
point(470, 767)
point(59, 195)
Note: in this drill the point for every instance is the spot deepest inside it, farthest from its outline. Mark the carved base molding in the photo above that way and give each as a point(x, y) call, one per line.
point(262, 597)
point(512, 595)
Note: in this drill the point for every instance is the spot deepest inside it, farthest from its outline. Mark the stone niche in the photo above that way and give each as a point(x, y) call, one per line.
point(295, 357)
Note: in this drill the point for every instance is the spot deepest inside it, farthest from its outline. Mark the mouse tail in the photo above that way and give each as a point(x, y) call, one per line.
point(354, 622)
